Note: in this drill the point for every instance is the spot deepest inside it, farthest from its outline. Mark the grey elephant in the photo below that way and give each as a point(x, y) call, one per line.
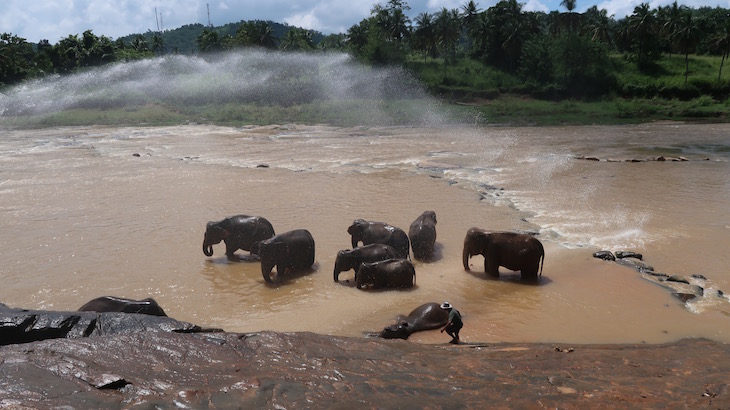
point(369, 232)
point(352, 258)
point(238, 232)
point(422, 234)
point(514, 251)
point(390, 273)
point(288, 251)
point(425, 317)
point(115, 304)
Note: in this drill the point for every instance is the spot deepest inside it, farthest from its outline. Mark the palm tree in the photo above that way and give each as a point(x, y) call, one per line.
point(686, 38)
point(448, 30)
point(641, 22)
point(599, 24)
point(670, 18)
point(470, 16)
point(209, 41)
point(570, 19)
point(425, 35)
point(722, 41)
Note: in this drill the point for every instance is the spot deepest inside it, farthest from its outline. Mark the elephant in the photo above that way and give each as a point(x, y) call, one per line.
point(422, 234)
point(369, 232)
point(115, 304)
point(238, 232)
point(352, 258)
point(425, 317)
point(293, 250)
point(389, 273)
point(514, 251)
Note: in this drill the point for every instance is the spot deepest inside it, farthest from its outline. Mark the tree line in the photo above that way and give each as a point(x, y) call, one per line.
point(563, 49)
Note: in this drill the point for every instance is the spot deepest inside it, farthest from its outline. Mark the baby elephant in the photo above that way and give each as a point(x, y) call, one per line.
point(293, 250)
point(352, 258)
point(422, 234)
point(390, 273)
point(114, 304)
point(425, 317)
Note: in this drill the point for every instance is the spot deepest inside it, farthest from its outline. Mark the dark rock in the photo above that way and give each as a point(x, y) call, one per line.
point(605, 255)
point(262, 166)
point(635, 264)
point(136, 155)
point(684, 297)
point(23, 326)
point(678, 278)
point(700, 277)
point(305, 370)
point(629, 254)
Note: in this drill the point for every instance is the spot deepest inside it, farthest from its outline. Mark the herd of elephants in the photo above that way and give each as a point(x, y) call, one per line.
point(382, 261)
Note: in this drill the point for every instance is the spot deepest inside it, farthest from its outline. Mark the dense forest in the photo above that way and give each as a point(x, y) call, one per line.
point(556, 55)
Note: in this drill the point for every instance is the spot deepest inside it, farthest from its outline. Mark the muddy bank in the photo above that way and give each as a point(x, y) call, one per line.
point(306, 370)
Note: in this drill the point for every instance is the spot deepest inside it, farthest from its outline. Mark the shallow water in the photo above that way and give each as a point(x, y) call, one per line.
point(83, 216)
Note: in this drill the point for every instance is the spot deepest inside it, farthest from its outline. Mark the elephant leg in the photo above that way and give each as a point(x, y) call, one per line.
point(491, 267)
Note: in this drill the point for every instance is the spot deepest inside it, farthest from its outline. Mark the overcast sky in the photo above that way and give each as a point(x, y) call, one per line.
point(53, 20)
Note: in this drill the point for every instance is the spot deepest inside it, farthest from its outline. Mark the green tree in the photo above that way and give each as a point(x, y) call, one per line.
point(424, 36)
point(599, 25)
point(685, 39)
point(209, 42)
point(448, 31)
point(641, 24)
point(16, 59)
point(257, 34)
point(297, 39)
point(722, 40)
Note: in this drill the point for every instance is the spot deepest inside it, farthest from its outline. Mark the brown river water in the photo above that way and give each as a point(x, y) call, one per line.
point(83, 216)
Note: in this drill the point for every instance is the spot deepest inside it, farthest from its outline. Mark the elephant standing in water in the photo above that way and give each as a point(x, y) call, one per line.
point(353, 258)
point(514, 251)
point(293, 250)
point(425, 317)
point(390, 273)
point(238, 232)
point(114, 304)
point(422, 234)
point(369, 232)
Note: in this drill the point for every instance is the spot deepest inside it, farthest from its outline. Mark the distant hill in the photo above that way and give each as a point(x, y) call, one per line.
point(183, 39)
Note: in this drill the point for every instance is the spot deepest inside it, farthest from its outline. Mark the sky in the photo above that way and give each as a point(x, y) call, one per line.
point(54, 20)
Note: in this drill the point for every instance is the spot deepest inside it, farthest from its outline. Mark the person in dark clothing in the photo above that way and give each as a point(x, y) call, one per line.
point(454, 324)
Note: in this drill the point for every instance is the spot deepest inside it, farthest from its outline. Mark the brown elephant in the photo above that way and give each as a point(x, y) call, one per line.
point(238, 232)
point(369, 232)
point(289, 251)
point(389, 273)
point(422, 234)
point(514, 251)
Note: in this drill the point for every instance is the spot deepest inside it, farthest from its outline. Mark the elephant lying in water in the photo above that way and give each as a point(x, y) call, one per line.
point(422, 234)
point(293, 250)
point(514, 251)
point(390, 273)
point(238, 232)
point(425, 317)
point(353, 258)
point(114, 304)
point(369, 232)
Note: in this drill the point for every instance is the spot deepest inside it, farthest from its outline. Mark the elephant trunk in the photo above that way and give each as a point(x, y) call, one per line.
point(266, 271)
point(337, 274)
point(207, 249)
point(465, 258)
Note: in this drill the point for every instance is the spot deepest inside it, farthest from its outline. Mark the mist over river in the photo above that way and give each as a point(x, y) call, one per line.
point(110, 210)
